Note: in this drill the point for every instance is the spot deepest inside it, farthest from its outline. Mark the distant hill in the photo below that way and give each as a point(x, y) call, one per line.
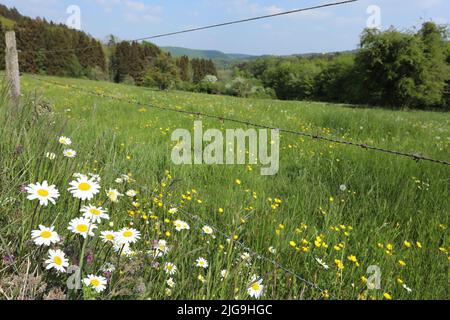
point(226, 58)
point(205, 54)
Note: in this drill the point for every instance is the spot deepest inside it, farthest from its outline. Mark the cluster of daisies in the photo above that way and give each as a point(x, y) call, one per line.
point(88, 223)
point(68, 153)
point(82, 188)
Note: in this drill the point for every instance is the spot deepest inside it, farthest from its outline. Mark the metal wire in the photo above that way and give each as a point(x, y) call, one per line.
point(309, 283)
point(196, 219)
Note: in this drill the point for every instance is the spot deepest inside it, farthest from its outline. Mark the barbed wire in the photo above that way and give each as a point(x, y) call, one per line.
point(278, 265)
point(205, 27)
point(414, 156)
point(197, 220)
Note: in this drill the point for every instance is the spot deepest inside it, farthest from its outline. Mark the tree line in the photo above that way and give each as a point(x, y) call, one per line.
point(409, 69)
point(391, 68)
point(145, 64)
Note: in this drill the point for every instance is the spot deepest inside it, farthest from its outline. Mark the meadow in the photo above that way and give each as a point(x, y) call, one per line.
point(330, 213)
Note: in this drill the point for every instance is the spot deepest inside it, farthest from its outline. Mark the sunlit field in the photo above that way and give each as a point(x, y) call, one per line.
point(331, 213)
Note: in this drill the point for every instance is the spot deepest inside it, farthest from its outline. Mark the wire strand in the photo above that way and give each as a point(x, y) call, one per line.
point(206, 27)
point(196, 219)
point(278, 265)
point(414, 156)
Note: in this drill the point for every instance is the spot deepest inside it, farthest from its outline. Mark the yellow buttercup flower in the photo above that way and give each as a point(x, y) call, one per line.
point(339, 264)
point(387, 296)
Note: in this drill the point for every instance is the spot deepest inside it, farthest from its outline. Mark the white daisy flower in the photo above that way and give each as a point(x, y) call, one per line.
point(108, 236)
point(170, 282)
point(202, 263)
point(408, 289)
point(131, 193)
point(95, 177)
point(343, 187)
point(57, 260)
point(113, 195)
point(245, 256)
point(256, 289)
point(96, 214)
point(108, 267)
point(119, 180)
point(42, 192)
point(124, 249)
point(254, 278)
point(44, 236)
point(173, 210)
point(224, 273)
point(82, 226)
point(127, 235)
point(125, 177)
point(84, 188)
point(170, 268)
point(201, 278)
point(322, 263)
point(207, 230)
point(181, 225)
point(69, 153)
point(65, 141)
point(98, 283)
point(159, 249)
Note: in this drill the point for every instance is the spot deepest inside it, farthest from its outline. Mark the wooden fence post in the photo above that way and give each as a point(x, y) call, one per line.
point(12, 66)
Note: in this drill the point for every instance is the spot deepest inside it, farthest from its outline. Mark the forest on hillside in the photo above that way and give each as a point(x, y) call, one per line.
point(395, 69)
point(54, 49)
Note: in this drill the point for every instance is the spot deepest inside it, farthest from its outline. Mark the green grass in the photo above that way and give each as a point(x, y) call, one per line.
point(8, 23)
point(389, 199)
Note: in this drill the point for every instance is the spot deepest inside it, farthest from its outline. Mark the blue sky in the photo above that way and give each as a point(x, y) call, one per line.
point(325, 30)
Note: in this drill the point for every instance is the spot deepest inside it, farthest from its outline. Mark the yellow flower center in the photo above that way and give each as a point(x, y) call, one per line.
point(95, 212)
point(46, 234)
point(82, 228)
point(95, 282)
point(84, 186)
point(128, 234)
point(57, 260)
point(43, 192)
point(256, 286)
point(109, 237)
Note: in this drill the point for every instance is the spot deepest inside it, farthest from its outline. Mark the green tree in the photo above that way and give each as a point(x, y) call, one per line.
point(337, 81)
point(292, 81)
point(183, 65)
point(403, 69)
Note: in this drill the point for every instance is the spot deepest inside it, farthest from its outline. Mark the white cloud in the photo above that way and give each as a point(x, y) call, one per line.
point(133, 11)
point(108, 5)
point(273, 9)
point(243, 8)
point(247, 8)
